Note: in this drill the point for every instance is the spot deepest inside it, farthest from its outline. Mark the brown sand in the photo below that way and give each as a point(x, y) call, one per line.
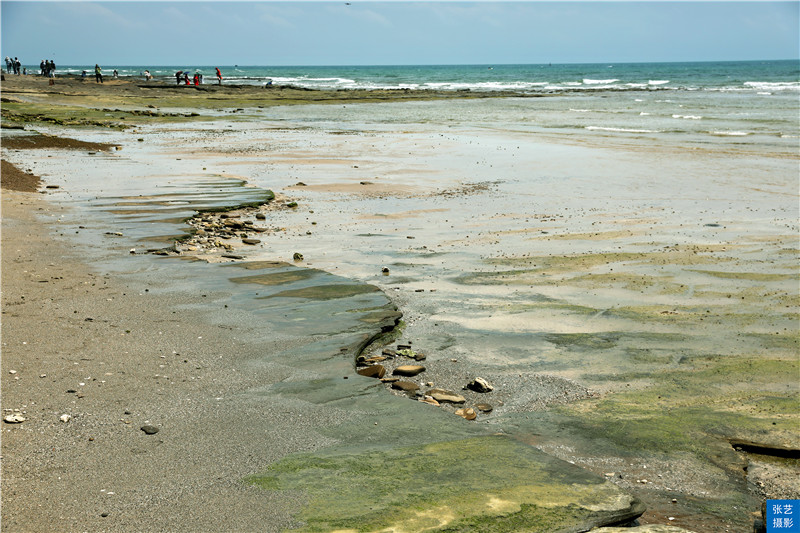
point(114, 358)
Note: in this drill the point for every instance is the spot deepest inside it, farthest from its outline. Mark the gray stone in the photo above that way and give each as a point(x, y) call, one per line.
point(149, 430)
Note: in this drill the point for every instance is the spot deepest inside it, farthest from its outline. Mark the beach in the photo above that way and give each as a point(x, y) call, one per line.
point(601, 311)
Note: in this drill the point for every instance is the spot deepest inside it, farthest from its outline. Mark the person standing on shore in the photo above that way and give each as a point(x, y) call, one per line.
point(219, 76)
point(98, 74)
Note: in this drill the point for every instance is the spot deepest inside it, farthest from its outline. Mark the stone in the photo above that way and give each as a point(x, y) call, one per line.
point(445, 396)
point(297, 256)
point(149, 430)
point(428, 400)
point(484, 408)
point(374, 371)
point(261, 216)
point(15, 418)
point(405, 386)
point(468, 413)
point(251, 241)
point(479, 385)
point(408, 370)
point(65, 418)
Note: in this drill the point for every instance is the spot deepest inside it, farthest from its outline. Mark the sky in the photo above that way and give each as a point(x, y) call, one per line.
point(356, 32)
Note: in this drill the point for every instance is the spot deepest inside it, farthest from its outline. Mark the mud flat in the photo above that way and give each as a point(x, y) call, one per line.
point(143, 389)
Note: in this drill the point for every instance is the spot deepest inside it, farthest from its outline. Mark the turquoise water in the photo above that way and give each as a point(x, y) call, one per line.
point(747, 76)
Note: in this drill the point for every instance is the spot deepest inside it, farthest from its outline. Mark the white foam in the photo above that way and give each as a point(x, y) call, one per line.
point(658, 82)
point(588, 81)
point(579, 110)
point(689, 117)
point(774, 86)
point(729, 133)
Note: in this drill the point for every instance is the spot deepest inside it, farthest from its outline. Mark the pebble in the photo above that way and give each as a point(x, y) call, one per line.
point(408, 370)
point(405, 386)
point(374, 371)
point(15, 418)
point(441, 395)
point(65, 418)
point(468, 413)
point(479, 385)
point(149, 430)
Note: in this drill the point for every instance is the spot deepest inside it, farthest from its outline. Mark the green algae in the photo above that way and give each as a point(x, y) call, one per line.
point(689, 408)
point(490, 483)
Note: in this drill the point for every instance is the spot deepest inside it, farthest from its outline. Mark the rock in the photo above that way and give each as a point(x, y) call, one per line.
point(15, 418)
point(429, 400)
point(251, 241)
point(65, 418)
point(232, 256)
point(385, 271)
point(479, 385)
point(484, 408)
point(408, 370)
point(261, 216)
point(374, 371)
point(468, 413)
point(405, 386)
point(297, 256)
point(408, 352)
point(149, 430)
point(445, 396)
point(375, 359)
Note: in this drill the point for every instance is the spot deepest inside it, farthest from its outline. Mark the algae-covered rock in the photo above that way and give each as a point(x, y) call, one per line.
point(492, 483)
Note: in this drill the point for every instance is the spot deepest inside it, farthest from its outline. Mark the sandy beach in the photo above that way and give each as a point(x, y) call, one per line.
point(167, 393)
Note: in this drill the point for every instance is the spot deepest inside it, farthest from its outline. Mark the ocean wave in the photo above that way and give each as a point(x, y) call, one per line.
point(588, 81)
point(690, 117)
point(657, 82)
point(773, 86)
point(620, 130)
point(729, 133)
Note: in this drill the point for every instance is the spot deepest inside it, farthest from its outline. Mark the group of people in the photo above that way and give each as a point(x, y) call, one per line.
point(197, 79)
point(47, 68)
point(13, 66)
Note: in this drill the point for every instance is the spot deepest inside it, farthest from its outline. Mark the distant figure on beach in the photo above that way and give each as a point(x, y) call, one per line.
point(178, 77)
point(17, 66)
point(51, 69)
point(147, 75)
point(83, 74)
point(8, 64)
point(219, 76)
point(115, 74)
point(98, 74)
point(201, 78)
point(186, 78)
point(196, 79)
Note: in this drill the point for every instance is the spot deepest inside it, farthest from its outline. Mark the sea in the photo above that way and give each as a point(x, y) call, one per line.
point(739, 76)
